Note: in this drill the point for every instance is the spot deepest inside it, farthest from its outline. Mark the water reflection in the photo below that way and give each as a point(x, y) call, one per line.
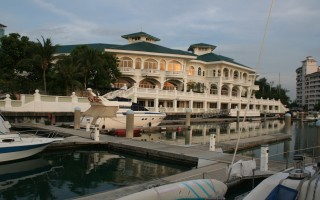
point(224, 131)
point(70, 174)
point(305, 136)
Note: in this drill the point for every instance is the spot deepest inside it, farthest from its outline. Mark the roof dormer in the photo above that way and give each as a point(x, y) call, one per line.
point(140, 37)
point(201, 48)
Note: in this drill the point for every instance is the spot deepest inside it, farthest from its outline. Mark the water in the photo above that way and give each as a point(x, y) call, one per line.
point(70, 174)
point(304, 136)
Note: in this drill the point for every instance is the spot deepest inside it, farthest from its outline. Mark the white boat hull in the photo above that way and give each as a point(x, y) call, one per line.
point(193, 189)
point(23, 147)
point(141, 119)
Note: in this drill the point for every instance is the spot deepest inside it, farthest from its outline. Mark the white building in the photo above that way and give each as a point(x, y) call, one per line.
point(171, 80)
point(308, 83)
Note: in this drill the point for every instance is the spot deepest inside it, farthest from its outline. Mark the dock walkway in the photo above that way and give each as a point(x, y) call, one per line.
point(210, 164)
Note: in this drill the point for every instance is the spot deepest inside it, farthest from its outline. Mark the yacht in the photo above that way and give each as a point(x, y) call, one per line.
point(110, 114)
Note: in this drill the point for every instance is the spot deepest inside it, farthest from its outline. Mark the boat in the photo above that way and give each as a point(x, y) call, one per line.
point(111, 114)
point(192, 189)
point(312, 116)
point(14, 146)
point(298, 183)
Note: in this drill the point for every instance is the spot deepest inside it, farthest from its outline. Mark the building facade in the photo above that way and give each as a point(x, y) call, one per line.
point(308, 84)
point(170, 80)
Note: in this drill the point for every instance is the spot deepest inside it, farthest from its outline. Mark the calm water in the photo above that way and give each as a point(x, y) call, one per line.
point(71, 174)
point(304, 135)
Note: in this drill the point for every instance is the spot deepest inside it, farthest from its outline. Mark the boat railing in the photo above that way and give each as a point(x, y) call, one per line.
point(40, 133)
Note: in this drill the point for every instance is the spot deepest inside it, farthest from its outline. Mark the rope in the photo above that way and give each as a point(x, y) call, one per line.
point(254, 78)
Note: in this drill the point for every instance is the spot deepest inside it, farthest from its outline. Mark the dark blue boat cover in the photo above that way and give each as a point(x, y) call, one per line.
point(282, 192)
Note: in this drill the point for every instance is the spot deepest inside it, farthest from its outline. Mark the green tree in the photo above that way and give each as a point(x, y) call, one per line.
point(88, 60)
point(66, 72)
point(106, 72)
point(42, 58)
point(266, 90)
point(13, 77)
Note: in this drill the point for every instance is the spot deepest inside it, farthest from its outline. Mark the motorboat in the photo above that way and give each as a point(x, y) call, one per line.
point(192, 189)
point(111, 114)
point(298, 183)
point(14, 146)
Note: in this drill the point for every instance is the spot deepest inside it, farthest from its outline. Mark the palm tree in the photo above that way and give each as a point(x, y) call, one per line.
point(68, 72)
point(44, 56)
point(88, 60)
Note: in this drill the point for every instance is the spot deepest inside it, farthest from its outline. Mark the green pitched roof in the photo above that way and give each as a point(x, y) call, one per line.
point(139, 34)
point(70, 48)
point(150, 47)
point(212, 57)
point(200, 45)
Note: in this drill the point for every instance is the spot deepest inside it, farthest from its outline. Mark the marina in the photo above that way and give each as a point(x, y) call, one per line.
point(96, 117)
point(207, 164)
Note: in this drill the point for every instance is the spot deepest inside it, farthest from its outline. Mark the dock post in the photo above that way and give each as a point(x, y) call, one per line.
point(188, 116)
point(88, 125)
point(77, 115)
point(238, 116)
point(264, 157)
point(287, 122)
point(302, 116)
point(96, 136)
point(212, 142)
point(129, 124)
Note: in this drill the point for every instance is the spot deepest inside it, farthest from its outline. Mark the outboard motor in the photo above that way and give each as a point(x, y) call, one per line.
point(299, 171)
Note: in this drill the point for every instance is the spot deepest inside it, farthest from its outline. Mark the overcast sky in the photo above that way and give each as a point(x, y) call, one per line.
point(236, 27)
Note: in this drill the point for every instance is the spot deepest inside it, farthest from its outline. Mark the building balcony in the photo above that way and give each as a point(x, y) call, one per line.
point(150, 72)
point(127, 70)
point(175, 74)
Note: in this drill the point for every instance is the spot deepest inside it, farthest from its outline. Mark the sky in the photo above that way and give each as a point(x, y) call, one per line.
point(236, 27)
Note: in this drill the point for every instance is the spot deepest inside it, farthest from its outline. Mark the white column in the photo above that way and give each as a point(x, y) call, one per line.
point(264, 158)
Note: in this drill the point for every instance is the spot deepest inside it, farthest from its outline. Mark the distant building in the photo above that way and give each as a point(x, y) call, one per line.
point(161, 78)
point(2, 27)
point(308, 83)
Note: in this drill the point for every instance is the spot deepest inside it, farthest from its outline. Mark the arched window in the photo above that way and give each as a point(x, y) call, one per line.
point(191, 71)
point(199, 71)
point(236, 75)
point(150, 64)
point(214, 73)
point(138, 63)
point(203, 73)
point(245, 76)
point(225, 72)
point(126, 62)
point(224, 90)
point(235, 91)
point(219, 72)
point(163, 65)
point(174, 66)
point(213, 89)
point(146, 84)
point(244, 93)
point(168, 86)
